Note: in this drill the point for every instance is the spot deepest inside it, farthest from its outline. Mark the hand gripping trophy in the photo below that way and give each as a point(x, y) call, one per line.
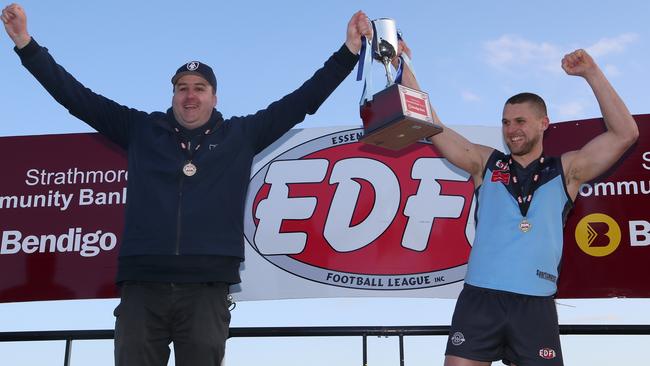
point(396, 116)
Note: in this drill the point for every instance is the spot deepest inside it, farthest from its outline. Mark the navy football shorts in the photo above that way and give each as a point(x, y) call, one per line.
point(490, 325)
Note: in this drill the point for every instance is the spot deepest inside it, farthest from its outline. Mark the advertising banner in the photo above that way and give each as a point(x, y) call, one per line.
point(607, 234)
point(61, 216)
point(326, 216)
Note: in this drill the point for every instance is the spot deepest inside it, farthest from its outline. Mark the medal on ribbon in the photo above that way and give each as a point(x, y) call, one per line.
point(189, 169)
point(524, 195)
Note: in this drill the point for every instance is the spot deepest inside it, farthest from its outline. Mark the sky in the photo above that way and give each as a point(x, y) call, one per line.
point(470, 56)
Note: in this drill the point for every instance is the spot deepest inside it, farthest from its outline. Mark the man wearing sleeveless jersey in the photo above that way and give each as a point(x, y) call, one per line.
point(506, 310)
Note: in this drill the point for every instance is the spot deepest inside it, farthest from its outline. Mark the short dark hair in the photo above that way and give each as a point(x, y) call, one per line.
point(534, 99)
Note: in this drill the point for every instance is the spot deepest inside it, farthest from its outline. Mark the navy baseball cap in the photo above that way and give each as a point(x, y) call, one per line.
point(199, 69)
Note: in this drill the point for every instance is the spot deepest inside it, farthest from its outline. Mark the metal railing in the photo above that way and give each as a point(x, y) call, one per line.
point(338, 331)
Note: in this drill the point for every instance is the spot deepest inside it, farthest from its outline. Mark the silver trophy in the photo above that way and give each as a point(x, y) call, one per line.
point(397, 116)
point(385, 44)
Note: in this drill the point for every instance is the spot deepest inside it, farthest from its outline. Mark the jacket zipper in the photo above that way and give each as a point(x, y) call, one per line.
point(180, 203)
point(178, 216)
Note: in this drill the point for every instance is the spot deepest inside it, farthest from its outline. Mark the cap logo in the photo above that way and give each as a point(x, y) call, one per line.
point(191, 66)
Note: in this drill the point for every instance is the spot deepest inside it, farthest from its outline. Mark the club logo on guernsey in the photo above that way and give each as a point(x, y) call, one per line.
point(502, 176)
point(501, 165)
point(342, 213)
point(457, 339)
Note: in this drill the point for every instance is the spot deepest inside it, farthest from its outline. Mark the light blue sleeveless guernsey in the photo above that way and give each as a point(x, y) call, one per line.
point(504, 257)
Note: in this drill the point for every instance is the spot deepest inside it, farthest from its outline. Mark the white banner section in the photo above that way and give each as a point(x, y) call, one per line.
point(329, 216)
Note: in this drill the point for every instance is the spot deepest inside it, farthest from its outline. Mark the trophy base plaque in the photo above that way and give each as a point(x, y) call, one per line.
point(397, 117)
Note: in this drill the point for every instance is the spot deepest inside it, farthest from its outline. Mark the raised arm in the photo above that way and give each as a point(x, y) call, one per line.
point(106, 116)
point(453, 146)
point(269, 124)
point(604, 150)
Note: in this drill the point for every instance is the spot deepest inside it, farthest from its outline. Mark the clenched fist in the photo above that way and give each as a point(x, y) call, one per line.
point(579, 63)
point(15, 22)
point(358, 26)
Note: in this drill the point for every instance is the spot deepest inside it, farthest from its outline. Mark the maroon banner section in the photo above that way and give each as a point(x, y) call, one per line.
point(61, 216)
point(607, 234)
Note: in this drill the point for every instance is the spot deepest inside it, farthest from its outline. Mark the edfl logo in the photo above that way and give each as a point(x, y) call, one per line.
point(598, 235)
point(547, 353)
point(339, 212)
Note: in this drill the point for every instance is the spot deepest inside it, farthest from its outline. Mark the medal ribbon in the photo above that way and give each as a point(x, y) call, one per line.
point(524, 198)
point(186, 147)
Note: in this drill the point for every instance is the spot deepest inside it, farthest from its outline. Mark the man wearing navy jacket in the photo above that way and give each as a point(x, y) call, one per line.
point(189, 170)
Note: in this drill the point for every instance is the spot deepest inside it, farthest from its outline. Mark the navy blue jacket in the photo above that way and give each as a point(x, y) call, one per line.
point(168, 213)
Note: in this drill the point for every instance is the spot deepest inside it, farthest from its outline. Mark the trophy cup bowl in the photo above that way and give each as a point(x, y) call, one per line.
point(385, 44)
point(397, 116)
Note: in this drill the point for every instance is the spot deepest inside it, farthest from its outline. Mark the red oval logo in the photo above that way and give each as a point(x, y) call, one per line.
point(340, 212)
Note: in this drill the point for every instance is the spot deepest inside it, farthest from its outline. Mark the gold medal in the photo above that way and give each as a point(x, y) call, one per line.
point(524, 225)
point(189, 169)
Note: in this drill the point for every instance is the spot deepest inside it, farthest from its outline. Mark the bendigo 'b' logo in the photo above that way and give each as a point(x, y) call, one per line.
point(598, 235)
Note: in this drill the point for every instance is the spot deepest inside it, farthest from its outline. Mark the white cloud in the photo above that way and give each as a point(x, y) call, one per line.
point(617, 44)
point(514, 50)
point(511, 51)
point(469, 96)
point(611, 70)
point(570, 110)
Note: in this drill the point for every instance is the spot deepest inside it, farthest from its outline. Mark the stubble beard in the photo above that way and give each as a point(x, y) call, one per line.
point(525, 148)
